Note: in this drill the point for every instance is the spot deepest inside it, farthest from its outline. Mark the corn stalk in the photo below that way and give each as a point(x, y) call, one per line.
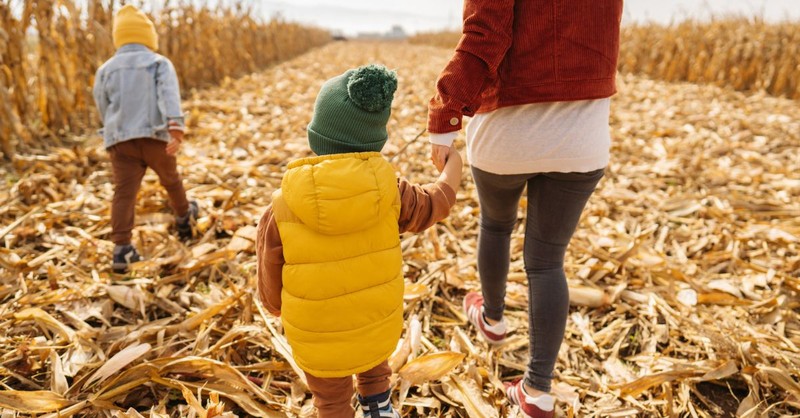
point(51, 49)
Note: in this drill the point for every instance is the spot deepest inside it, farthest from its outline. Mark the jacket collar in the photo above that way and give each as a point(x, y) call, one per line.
point(131, 48)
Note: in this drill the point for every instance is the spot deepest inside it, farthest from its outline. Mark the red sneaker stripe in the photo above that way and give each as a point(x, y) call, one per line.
point(489, 334)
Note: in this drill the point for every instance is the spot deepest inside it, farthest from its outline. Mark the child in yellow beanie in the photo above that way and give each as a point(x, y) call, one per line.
point(138, 98)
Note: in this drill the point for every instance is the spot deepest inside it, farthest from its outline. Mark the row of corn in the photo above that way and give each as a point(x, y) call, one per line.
point(50, 50)
point(744, 54)
point(748, 55)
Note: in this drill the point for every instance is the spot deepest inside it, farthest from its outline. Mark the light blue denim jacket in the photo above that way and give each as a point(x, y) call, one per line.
point(137, 94)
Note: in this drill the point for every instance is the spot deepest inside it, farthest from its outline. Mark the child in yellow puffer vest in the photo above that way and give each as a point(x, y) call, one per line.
point(329, 258)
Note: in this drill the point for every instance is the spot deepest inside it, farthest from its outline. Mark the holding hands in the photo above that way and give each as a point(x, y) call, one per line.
point(439, 154)
point(449, 163)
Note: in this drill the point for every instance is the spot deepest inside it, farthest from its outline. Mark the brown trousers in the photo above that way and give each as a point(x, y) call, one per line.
point(129, 161)
point(333, 395)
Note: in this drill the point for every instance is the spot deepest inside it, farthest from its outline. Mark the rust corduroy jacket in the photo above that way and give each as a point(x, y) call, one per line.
point(516, 52)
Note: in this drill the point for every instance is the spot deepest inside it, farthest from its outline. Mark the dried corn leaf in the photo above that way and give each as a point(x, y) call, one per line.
point(243, 240)
point(430, 367)
point(37, 401)
point(46, 321)
point(131, 297)
point(58, 381)
point(242, 398)
point(782, 379)
point(116, 363)
point(469, 395)
point(644, 383)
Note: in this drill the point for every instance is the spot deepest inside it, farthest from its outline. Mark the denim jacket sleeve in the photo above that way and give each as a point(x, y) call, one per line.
point(168, 94)
point(99, 93)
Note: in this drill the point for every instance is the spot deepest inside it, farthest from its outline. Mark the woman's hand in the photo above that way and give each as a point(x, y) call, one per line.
point(451, 174)
point(439, 154)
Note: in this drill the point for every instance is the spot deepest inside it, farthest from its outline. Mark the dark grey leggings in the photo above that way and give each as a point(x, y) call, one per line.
point(555, 203)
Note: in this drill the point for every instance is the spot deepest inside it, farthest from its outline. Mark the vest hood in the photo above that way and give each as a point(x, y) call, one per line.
point(339, 193)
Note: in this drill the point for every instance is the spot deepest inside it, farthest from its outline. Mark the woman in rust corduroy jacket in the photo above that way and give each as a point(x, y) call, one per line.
point(536, 75)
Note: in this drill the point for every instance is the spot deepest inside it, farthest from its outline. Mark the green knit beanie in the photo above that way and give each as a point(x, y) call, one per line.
point(352, 110)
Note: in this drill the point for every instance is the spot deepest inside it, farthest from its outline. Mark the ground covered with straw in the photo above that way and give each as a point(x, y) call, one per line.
point(684, 271)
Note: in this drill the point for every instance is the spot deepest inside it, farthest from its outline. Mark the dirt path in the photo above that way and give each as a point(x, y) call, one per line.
point(692, 239)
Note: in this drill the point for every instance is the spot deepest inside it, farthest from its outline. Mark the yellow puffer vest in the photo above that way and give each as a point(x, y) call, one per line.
point(342, 298)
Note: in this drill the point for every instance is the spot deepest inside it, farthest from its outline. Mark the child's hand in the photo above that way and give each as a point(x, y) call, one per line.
point(175, 144)
point(453, 159)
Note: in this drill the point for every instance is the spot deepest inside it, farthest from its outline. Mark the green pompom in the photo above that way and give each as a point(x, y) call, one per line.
point(372, 87)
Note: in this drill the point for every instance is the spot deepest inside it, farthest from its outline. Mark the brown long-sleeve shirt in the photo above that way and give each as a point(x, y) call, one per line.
point(420, 207)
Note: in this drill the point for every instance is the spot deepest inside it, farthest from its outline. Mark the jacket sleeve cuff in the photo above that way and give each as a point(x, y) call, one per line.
point(444, 121)
point(443, 139)
point(176, 124)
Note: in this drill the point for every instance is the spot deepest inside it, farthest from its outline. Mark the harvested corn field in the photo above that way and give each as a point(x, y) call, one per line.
point(684, 271)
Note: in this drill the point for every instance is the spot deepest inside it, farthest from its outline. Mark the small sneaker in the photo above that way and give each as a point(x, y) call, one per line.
point(378, 406)
point(473, 307)
point(541, 406)
point(124, 255)
point(184, 223)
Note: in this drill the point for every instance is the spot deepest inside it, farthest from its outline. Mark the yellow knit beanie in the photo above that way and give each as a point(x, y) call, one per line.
point(131, 26)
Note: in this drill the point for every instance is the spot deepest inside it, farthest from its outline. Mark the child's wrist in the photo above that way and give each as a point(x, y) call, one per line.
point(176, 135)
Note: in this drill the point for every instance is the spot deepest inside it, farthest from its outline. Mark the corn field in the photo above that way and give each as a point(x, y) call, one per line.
point(739, 53)
point(744, 54)
point(684, 273)
point(445, 39)
point(50, 50)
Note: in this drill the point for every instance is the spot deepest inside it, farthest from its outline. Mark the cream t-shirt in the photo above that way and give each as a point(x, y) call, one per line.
point(539, 138)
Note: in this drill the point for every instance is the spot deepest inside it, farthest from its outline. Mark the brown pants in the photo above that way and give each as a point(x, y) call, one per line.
point(129, 161)
point(333, 395)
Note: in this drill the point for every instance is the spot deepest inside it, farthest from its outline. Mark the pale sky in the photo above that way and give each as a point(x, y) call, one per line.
point(354, 16)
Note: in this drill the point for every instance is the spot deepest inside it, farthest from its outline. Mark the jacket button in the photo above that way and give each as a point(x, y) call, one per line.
point(454, 121)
